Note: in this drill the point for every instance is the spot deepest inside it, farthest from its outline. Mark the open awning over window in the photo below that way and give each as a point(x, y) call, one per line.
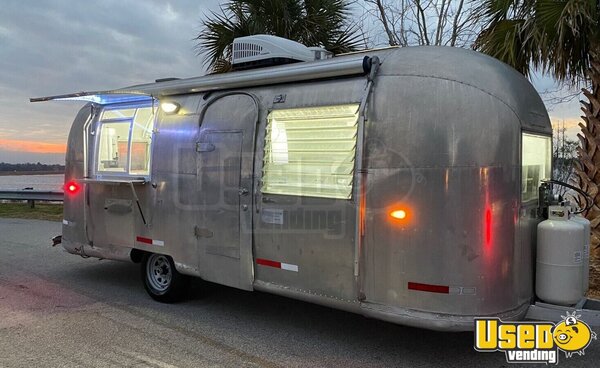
point(98, 97)
point(351, 65)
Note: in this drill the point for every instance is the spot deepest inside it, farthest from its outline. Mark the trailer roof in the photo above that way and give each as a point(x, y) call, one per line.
point(480, 71)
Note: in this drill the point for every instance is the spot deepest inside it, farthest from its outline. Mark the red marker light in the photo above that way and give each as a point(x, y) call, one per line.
point(72, 187)
point(488, 227)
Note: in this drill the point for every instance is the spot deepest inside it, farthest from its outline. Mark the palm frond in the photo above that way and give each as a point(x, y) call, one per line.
point(556, 36)
point(569, 26)
point(506, 42)
point(324, 23)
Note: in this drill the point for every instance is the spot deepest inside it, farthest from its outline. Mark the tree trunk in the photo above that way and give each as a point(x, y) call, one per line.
point(588, 170)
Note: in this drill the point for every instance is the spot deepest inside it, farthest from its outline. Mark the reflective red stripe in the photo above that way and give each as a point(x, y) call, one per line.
point(430, 288)
point(267, 262)
point(144, 240)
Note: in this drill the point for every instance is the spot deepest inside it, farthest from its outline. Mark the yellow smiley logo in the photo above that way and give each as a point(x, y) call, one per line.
point(572, 335)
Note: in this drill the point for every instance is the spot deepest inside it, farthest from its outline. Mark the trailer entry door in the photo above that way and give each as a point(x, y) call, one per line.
point(220, 154)
point(225, 154)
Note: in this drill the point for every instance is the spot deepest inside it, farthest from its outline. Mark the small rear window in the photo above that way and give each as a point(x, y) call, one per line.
point(536, 161)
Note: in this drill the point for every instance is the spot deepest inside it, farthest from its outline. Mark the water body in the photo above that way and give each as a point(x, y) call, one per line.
point(37, 182)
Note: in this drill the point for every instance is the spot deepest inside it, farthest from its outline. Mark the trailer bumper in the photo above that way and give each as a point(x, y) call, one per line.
point(435, 321)
point(588, 309)
point(113, 252)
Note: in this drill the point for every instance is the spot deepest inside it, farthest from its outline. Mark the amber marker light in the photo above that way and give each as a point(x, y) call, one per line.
point(401, 216)
point(398, 214)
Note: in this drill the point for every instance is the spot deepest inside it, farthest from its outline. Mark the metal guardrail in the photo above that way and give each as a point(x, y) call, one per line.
point(32, 195)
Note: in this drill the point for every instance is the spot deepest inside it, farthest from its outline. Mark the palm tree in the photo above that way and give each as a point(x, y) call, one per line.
point(323, 23)
point(562, 38)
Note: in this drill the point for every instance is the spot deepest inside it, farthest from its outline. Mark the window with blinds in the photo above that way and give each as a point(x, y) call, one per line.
point(310, 151)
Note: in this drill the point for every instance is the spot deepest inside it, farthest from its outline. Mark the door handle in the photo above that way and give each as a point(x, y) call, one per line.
point(243, 191)
point(268, 200)
point(204, 147)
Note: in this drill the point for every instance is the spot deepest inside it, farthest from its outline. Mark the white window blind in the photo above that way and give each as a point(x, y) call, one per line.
point(310, 151)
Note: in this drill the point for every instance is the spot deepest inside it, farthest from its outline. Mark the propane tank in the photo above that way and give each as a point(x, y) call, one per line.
point(585, 264)
point(559, 273)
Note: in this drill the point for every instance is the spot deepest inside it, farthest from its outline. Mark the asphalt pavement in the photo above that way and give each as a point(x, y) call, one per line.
point(60, 310)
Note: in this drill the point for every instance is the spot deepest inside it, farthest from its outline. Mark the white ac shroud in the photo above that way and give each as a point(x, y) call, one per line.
point(263, 47)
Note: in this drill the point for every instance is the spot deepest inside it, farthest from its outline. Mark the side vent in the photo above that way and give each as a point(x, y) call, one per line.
point(242, 50)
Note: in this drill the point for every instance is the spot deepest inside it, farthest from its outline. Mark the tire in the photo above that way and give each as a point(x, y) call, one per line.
point(161, 280)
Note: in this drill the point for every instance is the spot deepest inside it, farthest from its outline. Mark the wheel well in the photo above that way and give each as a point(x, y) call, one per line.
point(136, 255)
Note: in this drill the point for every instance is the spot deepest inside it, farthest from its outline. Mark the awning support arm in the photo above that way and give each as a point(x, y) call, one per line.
point(137, 201)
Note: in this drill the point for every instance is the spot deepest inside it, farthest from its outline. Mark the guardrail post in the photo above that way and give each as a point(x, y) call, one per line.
point(31, 203)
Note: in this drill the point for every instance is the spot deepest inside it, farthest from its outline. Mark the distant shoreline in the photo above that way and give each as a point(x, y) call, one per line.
point(19, 173)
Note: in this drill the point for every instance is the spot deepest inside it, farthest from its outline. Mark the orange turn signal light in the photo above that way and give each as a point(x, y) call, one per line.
point(398, 214)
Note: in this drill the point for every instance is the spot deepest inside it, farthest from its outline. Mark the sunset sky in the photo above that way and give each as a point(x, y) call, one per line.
point(57, 46)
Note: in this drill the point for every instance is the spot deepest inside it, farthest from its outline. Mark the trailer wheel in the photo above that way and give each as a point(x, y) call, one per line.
point(161, 279)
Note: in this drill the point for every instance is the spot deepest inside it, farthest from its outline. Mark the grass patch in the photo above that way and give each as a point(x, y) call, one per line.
point(42, 211)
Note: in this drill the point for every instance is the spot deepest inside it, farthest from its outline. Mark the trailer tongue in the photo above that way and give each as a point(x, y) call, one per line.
point(588, 309)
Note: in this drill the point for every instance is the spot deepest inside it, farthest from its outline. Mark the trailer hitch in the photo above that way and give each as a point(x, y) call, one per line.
point(56, 240)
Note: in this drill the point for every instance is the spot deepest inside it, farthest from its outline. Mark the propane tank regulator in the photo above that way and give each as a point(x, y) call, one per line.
point(546, 198)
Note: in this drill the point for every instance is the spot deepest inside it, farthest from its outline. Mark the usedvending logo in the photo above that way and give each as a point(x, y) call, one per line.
point(533, 342)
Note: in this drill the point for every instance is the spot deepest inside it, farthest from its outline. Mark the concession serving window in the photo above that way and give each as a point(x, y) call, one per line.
point(124, 141)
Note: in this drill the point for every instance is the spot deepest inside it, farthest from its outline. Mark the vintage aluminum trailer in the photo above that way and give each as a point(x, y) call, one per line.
point(401, 183)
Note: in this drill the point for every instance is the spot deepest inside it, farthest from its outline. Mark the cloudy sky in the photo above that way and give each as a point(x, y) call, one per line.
point(50, 47)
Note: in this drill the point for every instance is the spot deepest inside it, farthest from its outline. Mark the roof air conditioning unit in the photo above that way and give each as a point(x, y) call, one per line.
point(320, 53)
point(264, 50)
